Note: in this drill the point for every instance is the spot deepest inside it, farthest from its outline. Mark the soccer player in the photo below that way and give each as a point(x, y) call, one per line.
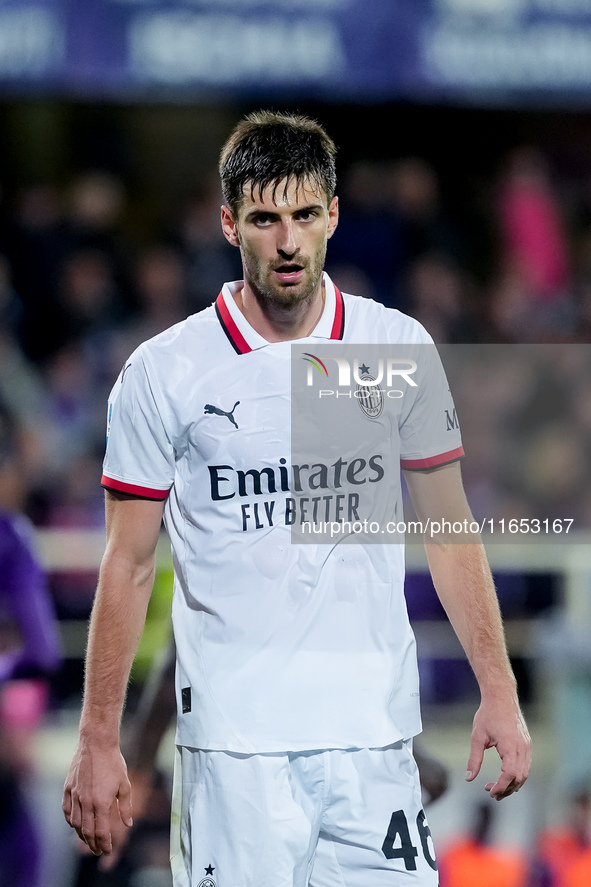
point(296, 676)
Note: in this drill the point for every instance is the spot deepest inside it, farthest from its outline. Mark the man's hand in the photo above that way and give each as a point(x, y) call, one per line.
point(500, 725)
point(96, 784)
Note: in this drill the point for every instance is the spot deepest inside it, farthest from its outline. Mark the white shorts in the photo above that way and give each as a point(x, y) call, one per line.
point(336, 818)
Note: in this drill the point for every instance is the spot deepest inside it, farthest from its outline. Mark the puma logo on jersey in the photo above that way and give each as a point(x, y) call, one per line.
point(209, 408)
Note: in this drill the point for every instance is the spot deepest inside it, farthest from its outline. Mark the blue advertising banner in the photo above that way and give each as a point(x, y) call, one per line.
point(334, 49)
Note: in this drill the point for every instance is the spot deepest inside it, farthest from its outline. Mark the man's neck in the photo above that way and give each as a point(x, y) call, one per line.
point(277, 323)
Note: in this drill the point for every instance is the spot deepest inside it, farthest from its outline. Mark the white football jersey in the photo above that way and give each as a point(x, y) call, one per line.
point(280, 646)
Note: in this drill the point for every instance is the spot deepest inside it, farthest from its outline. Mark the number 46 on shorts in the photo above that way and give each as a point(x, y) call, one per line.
point(398, 843)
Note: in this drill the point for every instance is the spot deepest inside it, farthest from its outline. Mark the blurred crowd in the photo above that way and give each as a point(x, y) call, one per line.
point(76, 298)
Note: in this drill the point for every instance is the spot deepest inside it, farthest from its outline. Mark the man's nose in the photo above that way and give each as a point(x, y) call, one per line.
point(287, 244)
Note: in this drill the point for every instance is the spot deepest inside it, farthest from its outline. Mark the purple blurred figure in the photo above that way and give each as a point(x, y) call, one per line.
point(29, 652)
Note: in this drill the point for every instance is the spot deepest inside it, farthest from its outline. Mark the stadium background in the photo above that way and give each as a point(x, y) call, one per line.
point(465, 180)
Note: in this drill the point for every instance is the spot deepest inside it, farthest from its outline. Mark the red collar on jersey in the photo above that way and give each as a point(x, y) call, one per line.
point(239, 343)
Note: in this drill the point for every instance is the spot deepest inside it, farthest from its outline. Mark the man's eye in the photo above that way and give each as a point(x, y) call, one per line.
point(263, 219)
point(306, 215)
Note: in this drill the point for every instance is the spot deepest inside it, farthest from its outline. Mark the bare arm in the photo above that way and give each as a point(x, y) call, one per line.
point(463, 581)
point(97, 778)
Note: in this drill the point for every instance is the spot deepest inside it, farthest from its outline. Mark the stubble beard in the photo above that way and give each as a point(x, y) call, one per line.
point(285, 298)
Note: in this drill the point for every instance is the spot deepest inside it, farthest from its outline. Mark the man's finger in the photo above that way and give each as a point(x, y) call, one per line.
point(498, 795)
point(501, 789)
point(67, 804)
point(75, 812)
point(95, 830)
point(475, 759)
point(124, 805)
point(506, 785)
point(86, 829)
point(102, 830)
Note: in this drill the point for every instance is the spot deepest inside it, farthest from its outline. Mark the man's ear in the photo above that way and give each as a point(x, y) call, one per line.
point(229, 226)
point(333, 216)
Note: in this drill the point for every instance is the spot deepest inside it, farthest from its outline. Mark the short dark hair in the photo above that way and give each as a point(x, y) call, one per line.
point(267, 147)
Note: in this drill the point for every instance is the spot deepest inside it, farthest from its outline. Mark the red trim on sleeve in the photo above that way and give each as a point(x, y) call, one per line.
point(432, 461)
point(133, 489)
point(237, 340)
point(338, 326)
